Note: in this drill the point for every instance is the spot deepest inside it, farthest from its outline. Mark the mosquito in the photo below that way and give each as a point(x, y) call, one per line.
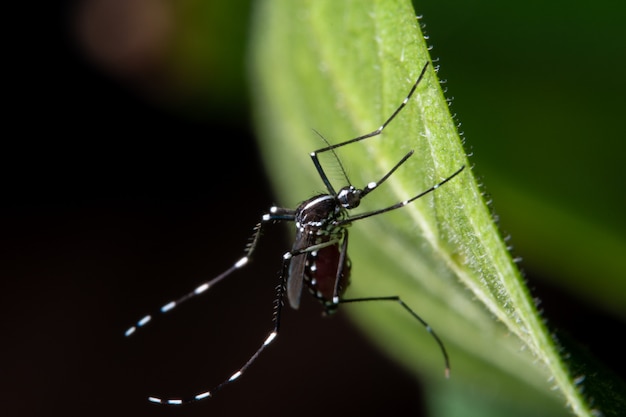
point(318, 258)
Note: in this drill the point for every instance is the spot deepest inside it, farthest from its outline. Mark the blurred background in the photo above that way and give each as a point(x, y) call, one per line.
point(130, 174)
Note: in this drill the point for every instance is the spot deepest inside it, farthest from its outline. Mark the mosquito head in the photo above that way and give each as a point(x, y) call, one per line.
point(349, 197)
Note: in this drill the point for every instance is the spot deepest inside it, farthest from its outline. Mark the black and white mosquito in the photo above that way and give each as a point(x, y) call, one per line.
point(319, 256)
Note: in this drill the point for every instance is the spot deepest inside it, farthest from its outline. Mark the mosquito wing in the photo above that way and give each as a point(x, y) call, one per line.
point(296, 277)
point(297, 268)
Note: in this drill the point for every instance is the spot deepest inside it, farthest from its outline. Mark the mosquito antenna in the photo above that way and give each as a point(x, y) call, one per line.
point(343, 171)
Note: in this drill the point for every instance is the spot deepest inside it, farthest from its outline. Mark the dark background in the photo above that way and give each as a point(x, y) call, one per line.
point(115, 202)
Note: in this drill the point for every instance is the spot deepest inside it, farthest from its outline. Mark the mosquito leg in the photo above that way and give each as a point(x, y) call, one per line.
point(275, 214)
point(373, 185)
point(402, 203)
point(343, 253)
point(412, 313)
point(376, 132)
point(278, 305)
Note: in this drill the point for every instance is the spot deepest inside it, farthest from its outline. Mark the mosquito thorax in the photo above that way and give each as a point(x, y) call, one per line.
point(315, 214)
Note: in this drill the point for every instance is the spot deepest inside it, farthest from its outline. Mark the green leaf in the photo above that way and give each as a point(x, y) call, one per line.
point(341, 68)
